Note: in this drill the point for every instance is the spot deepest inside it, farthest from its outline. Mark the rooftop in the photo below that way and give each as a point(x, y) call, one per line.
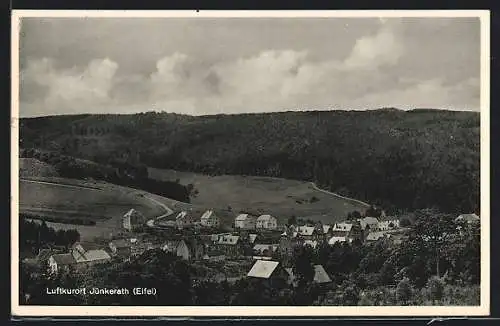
point(263, 268)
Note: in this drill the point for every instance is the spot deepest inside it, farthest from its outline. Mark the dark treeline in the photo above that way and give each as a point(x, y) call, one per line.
point(439, 264)
point(391, 158)
point(127, 174)
point(34, 236)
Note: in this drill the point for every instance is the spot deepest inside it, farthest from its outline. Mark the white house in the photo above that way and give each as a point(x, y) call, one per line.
point(209, 219)
point(388, 224)
point(133, 219)
point(370, 223)
point(183, 219)
point(267, 222)
point(245, 222)
point(59, 262)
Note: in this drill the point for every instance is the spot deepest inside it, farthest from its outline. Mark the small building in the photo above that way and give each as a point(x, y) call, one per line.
point(251, 238)
point(267, 222)
point(61, 262)
point(245, 222)
point(342, 227)
point(184, 220)
point(209, 219)
point(335, 239)
point(468, 218)
point(320, 276)
point(369, 223)
point(230, 245)
point(388, 224)
point(311, 243)
point(186, 249)
point(121, 247)
point(133, 220)
point(87, 254)
point(307, 232)
point(266, 250)
point(270, 272)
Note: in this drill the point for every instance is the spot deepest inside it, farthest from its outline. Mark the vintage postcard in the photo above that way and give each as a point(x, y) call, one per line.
point(250, 163)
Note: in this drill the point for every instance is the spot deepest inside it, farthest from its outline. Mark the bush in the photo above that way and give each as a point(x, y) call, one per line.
point(435, 288)
point(404, 291)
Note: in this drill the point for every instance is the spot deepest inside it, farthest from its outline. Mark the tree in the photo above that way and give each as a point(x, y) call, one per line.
point(404, 291)
point(303, 268)
point(435, 288)
point(434, 229)
point(292, 220)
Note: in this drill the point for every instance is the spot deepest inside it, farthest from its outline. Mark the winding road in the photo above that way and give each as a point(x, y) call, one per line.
point(150, 223)
point(315, 187)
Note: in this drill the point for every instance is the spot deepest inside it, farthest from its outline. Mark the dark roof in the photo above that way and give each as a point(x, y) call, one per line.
point(64, 259)
point(121, 243)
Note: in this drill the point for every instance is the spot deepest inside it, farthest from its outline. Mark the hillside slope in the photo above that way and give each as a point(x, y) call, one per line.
point(398, 159)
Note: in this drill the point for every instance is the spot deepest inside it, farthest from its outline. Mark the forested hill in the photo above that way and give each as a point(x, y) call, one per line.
point(398, 159)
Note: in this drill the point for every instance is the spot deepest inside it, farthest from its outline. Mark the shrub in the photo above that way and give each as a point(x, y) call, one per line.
point(435, 288)
point(404, 291)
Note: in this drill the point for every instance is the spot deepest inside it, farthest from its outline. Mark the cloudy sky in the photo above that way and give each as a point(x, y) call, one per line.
point(234, 65)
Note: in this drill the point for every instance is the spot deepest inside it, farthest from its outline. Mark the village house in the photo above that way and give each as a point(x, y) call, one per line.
point(184, 220)
point(133, 220)
point(230, 245)
point(311, 243)
point(338, 239)
point(61, 262)
point(209, 219)
point(121, 247)
point(267, 222)
point(468, 218)
point(388, 224)
point(369, 223)
point(88, 254)
point(375, 236)
point(307, 232)
point(320, 276)
point(264, 249)
point(270, 272)
point(186, 249)
point(245, 222)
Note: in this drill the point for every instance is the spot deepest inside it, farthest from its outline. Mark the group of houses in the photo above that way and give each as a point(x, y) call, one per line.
point(249, 222)
point(133, 220)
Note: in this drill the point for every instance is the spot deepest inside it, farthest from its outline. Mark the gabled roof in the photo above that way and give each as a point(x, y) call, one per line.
point(99, 254)
point(342, 226)
point(243, 217)
point(228, 239)
point(368, 221)
point(326, 228)
point(263, 268)
point(334, 240)
point(208, 214)
point(252, 237)
point(265, 217)
point(311, 243)
point(182, 214)
point(262, 247)
point(64, 259)
point(306, 230)
point(320, 275)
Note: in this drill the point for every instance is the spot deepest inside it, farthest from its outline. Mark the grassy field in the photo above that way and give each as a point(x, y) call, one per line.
point(258, 195)
point(64, 200)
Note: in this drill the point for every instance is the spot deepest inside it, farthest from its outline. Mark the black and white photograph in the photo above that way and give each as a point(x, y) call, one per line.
point(250, 163)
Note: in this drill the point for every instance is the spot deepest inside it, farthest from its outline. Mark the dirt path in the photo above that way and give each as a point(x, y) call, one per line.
point(315, 187)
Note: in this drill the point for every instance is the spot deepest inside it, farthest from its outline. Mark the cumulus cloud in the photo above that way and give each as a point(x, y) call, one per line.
point(68, 88)
point(369, 76)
